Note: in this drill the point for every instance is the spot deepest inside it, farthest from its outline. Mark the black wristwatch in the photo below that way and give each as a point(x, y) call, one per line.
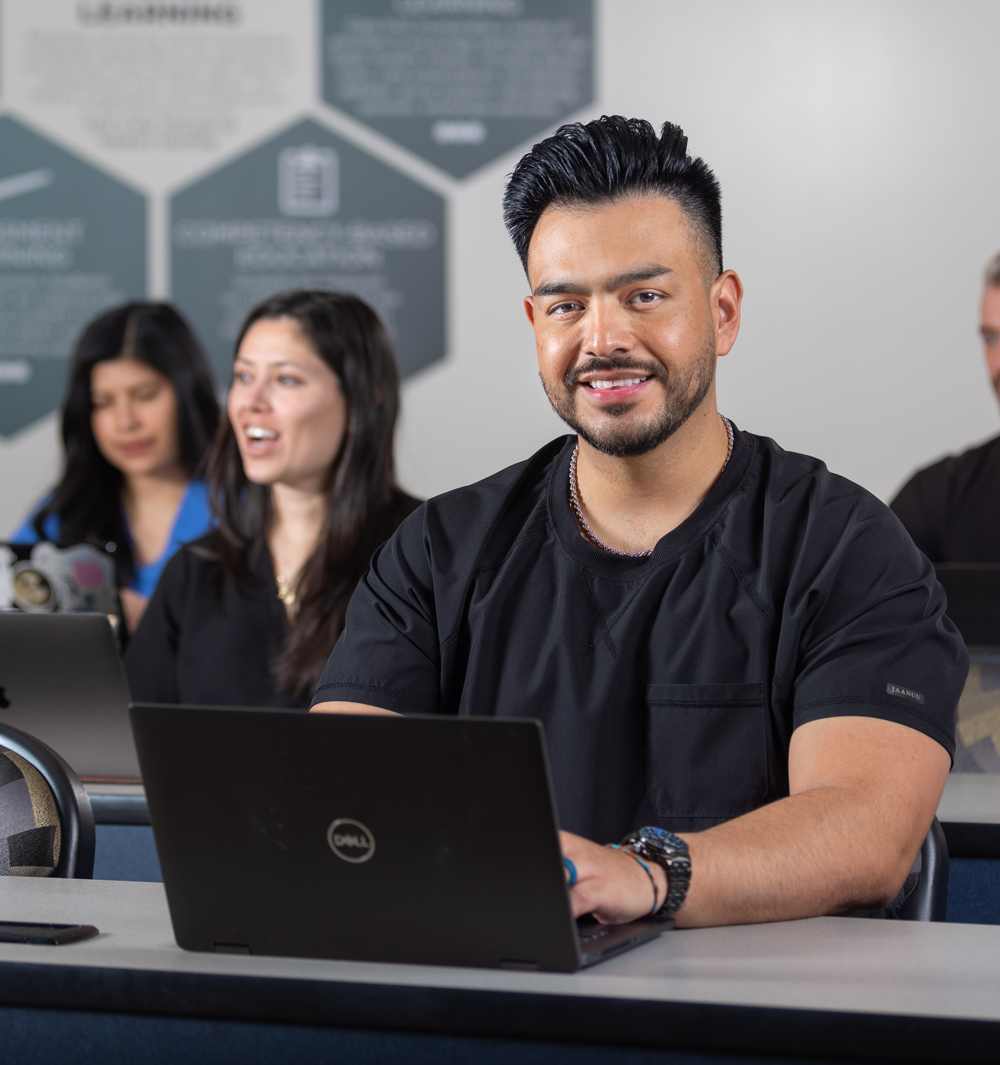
point(669, 852)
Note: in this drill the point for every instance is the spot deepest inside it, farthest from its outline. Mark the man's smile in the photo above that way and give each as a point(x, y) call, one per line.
point(611, 387)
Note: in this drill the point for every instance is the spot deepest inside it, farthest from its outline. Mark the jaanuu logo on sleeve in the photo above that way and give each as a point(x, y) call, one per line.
point(906, 693)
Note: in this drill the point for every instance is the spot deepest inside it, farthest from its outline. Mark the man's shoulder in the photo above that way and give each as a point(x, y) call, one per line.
point(478, 505)
point(791, 478)
point(960, 467)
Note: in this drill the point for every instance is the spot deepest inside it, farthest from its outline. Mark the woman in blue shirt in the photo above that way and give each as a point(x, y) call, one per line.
point(139, 413)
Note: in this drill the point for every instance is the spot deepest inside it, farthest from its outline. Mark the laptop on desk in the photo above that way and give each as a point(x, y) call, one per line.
point(973, 591)
point(423, 840)
point(61, 680)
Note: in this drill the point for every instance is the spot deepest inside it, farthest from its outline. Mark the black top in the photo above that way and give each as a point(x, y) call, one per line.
point(952, 509)
point(668, 686)
point(204, 641)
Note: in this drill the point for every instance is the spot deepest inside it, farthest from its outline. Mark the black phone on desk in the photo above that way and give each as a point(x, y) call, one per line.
point(52, 935)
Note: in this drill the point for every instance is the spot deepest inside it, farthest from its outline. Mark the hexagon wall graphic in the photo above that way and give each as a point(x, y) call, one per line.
point(459, 82)
point(72, 244)
point(309, 210)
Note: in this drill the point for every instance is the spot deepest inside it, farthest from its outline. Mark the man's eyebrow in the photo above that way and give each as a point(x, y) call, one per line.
point(632, 277)
point(558, 288)
point(635, 277)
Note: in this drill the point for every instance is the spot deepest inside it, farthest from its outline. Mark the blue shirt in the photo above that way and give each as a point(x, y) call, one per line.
point(192, 521)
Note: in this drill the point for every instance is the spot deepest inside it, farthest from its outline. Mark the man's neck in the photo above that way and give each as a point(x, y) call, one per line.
point(631, 503)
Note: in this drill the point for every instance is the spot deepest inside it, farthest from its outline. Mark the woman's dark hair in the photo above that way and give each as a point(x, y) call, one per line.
point(87, 501)
point(363, 503)
point(604, 161)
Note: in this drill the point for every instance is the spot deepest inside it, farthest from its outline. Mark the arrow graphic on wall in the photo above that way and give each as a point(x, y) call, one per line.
point(29, 181)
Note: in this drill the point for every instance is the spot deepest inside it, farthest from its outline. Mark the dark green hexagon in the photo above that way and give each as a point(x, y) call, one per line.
point(72, 243)
point(458, 82)
point(308, 210)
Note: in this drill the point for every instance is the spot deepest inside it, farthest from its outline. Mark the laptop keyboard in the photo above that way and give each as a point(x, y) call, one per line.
point(591, 933)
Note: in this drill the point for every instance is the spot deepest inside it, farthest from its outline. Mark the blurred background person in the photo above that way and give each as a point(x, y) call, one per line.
point(952, 509)
point(302, 487)
point(139, 414)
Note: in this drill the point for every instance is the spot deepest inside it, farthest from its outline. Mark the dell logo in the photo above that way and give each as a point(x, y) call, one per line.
point(350, 840)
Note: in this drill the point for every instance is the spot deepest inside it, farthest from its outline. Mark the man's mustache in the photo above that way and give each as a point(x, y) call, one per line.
point(596, 365)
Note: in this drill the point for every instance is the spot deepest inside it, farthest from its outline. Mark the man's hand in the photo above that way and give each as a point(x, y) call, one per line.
point(610, 884)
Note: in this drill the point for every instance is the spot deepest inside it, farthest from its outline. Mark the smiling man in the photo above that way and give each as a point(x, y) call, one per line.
point(741, 662)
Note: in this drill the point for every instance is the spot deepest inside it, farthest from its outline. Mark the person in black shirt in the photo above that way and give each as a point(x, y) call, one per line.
point(741, 661)
point(301, 485)
point(952, 508)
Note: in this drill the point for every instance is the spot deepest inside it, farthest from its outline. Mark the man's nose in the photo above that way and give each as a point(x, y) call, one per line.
point(608, 331)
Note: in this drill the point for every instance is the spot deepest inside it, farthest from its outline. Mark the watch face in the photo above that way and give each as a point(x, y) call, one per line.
point(660, 837)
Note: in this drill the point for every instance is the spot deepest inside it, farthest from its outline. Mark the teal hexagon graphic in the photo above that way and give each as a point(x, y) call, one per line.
point(72, 244)
point(308, 210)
point(458, 82)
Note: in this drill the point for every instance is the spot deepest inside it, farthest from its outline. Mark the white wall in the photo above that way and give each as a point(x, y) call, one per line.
point(856, 145)
point(857, 149)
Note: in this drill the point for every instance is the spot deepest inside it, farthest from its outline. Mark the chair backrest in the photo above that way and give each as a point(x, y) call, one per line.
point(928, 901)
point(76, 819)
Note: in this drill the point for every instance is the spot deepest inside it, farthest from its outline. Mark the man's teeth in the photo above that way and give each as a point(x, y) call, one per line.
point(257, 432)
point(624, 383)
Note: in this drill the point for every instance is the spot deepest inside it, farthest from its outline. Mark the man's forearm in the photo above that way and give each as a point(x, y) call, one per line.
point(864, 792)
point(819, 852)
point(349, 708)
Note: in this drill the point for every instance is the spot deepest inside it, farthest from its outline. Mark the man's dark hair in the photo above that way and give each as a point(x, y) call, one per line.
point(605, 161)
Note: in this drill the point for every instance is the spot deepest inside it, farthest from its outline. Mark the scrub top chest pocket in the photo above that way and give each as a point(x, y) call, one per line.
point(706, 749)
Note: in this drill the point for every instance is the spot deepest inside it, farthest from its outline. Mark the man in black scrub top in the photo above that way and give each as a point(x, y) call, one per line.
point(952, 509)
point(741, 661)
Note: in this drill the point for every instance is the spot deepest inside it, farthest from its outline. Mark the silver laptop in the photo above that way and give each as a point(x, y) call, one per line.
point(61, 680)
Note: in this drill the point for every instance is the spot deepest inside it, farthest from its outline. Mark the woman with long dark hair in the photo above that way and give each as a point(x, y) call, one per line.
point(302, 487)
point(139, 414)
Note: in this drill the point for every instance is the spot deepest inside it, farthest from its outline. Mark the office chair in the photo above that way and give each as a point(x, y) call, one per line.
point(928, 901)
point(49, 825)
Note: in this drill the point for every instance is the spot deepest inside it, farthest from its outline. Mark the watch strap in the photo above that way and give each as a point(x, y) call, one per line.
point(671, 853)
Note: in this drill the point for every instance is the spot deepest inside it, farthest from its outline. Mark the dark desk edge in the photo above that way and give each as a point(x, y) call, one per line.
point(119, 809)
point(968, 839)
point(830, 1036)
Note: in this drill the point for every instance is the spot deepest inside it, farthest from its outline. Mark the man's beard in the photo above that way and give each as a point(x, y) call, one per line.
point(683, 394)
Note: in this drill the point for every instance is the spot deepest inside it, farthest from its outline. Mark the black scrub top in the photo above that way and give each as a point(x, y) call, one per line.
point(204, 641)
point(952, 509)
point(668, 686)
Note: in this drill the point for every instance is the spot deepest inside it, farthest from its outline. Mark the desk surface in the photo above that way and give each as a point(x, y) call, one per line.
point(835, 983)
point(972, 798)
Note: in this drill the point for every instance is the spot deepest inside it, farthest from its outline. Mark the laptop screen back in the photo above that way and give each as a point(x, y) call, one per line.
point(973, 591)
point(428, 840)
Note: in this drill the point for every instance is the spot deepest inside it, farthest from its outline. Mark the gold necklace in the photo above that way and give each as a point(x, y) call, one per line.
point(286, 590)
point(581, 521)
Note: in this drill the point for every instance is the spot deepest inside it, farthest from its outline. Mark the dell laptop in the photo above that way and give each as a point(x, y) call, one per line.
point(423, 840)
point(61, 680)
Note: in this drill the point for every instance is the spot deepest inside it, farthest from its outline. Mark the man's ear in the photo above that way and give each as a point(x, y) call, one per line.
point(529, 309)
point(727, 297)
